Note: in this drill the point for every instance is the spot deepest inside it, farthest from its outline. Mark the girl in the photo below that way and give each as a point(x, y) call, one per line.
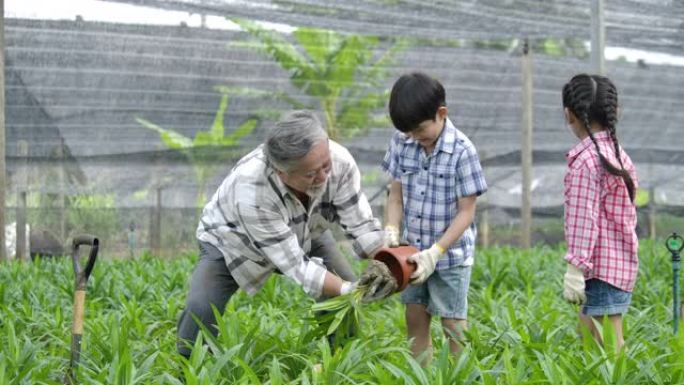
point(600, 216)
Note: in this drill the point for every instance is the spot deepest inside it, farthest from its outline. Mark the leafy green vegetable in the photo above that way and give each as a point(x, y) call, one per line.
point(340, 316)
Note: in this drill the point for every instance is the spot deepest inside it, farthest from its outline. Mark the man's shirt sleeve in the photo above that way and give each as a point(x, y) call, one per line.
point(355, 214)
point(269, 232)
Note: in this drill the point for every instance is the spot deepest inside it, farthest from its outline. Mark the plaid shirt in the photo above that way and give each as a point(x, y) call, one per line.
point(600, 219)
point(260, 226)
point(431, 186)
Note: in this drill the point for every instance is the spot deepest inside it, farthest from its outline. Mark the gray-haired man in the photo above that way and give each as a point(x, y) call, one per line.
point(270, 214)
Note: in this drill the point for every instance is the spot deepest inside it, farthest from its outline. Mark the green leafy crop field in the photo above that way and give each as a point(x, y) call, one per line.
point(521, 331)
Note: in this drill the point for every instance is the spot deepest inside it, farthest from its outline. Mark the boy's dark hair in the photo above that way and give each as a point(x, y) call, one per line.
point(415, 98)
point(594, 98)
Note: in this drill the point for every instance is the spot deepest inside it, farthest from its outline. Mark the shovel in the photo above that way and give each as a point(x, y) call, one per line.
point(79, 300)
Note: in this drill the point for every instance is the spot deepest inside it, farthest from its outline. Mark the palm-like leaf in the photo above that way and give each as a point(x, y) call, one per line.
point(333, 68)
point(204, 162)
point(171, 139)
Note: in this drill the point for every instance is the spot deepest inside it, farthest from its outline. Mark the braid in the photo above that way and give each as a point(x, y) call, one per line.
point(610, 114)
point(610, 103)
point(623, 173)
point(594, 99)
point(604, 162)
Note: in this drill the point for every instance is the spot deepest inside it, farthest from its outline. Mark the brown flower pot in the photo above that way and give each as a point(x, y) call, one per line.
point(396, 260)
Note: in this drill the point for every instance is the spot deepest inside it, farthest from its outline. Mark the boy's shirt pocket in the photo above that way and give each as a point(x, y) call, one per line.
point(442, 184)
point(409, 170)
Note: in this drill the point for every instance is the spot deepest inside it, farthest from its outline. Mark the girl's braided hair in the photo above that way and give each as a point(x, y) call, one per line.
point(593, 98)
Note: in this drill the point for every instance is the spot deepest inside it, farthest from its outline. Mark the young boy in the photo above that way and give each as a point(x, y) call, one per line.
point(436, 178)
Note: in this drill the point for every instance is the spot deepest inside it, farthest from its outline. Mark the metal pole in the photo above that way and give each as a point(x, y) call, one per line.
point(598, 37)
point(675, 294)
point(675, 244)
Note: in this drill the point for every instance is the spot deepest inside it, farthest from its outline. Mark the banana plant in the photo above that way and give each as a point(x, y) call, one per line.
point(205, 144)
point(341, 72)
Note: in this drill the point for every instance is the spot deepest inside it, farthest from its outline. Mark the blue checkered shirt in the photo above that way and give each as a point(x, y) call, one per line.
point(431, 186)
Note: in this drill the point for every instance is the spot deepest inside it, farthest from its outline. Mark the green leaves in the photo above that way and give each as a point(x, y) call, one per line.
point(171, 139)
point(215, 136)
point(199, 150)
point(520, 329)
point(342, 72)
point(340, 316)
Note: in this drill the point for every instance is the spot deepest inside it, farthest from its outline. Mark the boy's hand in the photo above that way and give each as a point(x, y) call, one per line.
point(426, 261)
point(391, 236)
point(573, 285)
point(379, 280)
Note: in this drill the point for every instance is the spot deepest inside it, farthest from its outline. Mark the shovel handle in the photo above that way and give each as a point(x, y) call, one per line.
point(82, 276)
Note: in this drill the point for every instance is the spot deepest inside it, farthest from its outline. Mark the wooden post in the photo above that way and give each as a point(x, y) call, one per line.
point(598, 37)
point(61, 199)
point(484, 225)
point(651, 213)
point(483, 210)
point(526, 149)
point(22, 184)
point(3, 181)
point(155, 224)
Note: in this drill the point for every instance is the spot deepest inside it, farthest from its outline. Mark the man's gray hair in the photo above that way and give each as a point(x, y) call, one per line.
point(292, 138)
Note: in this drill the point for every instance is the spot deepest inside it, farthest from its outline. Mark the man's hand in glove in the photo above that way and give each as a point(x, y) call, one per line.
point(379, 280)
point(573, 285)
point(347, 287)
point(391, 236)
point(426, 261)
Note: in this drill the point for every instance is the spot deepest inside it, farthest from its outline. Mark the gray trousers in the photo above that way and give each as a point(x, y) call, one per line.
point(212, 284)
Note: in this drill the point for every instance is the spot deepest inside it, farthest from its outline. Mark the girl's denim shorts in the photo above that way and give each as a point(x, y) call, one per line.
point(605, 299)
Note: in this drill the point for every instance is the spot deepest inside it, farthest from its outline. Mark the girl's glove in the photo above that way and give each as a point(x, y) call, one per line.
point(573, 285)
point(391, 236)
point(426, 261)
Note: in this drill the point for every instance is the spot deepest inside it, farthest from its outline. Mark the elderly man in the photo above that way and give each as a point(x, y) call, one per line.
point(270, 215)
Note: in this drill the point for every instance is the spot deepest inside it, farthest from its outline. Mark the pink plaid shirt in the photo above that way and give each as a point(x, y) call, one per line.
point(600, 219)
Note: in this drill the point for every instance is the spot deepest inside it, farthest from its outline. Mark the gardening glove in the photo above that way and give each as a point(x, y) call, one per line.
point(426, 261)
point(573, 285)
point(391, 236)
point(347, 287)
point(379, 280)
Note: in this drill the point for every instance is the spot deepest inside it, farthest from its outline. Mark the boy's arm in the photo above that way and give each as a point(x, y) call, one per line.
point(395, 205)
point(465, 216)
point(393, 215)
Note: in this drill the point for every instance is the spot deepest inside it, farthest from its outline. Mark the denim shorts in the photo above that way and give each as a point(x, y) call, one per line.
point(445, 293)
point(605, 299)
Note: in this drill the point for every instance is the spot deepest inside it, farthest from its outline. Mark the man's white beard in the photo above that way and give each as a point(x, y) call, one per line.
point(316, 191)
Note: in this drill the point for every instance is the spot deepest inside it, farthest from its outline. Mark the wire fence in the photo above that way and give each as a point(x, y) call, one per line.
point(86, 101)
